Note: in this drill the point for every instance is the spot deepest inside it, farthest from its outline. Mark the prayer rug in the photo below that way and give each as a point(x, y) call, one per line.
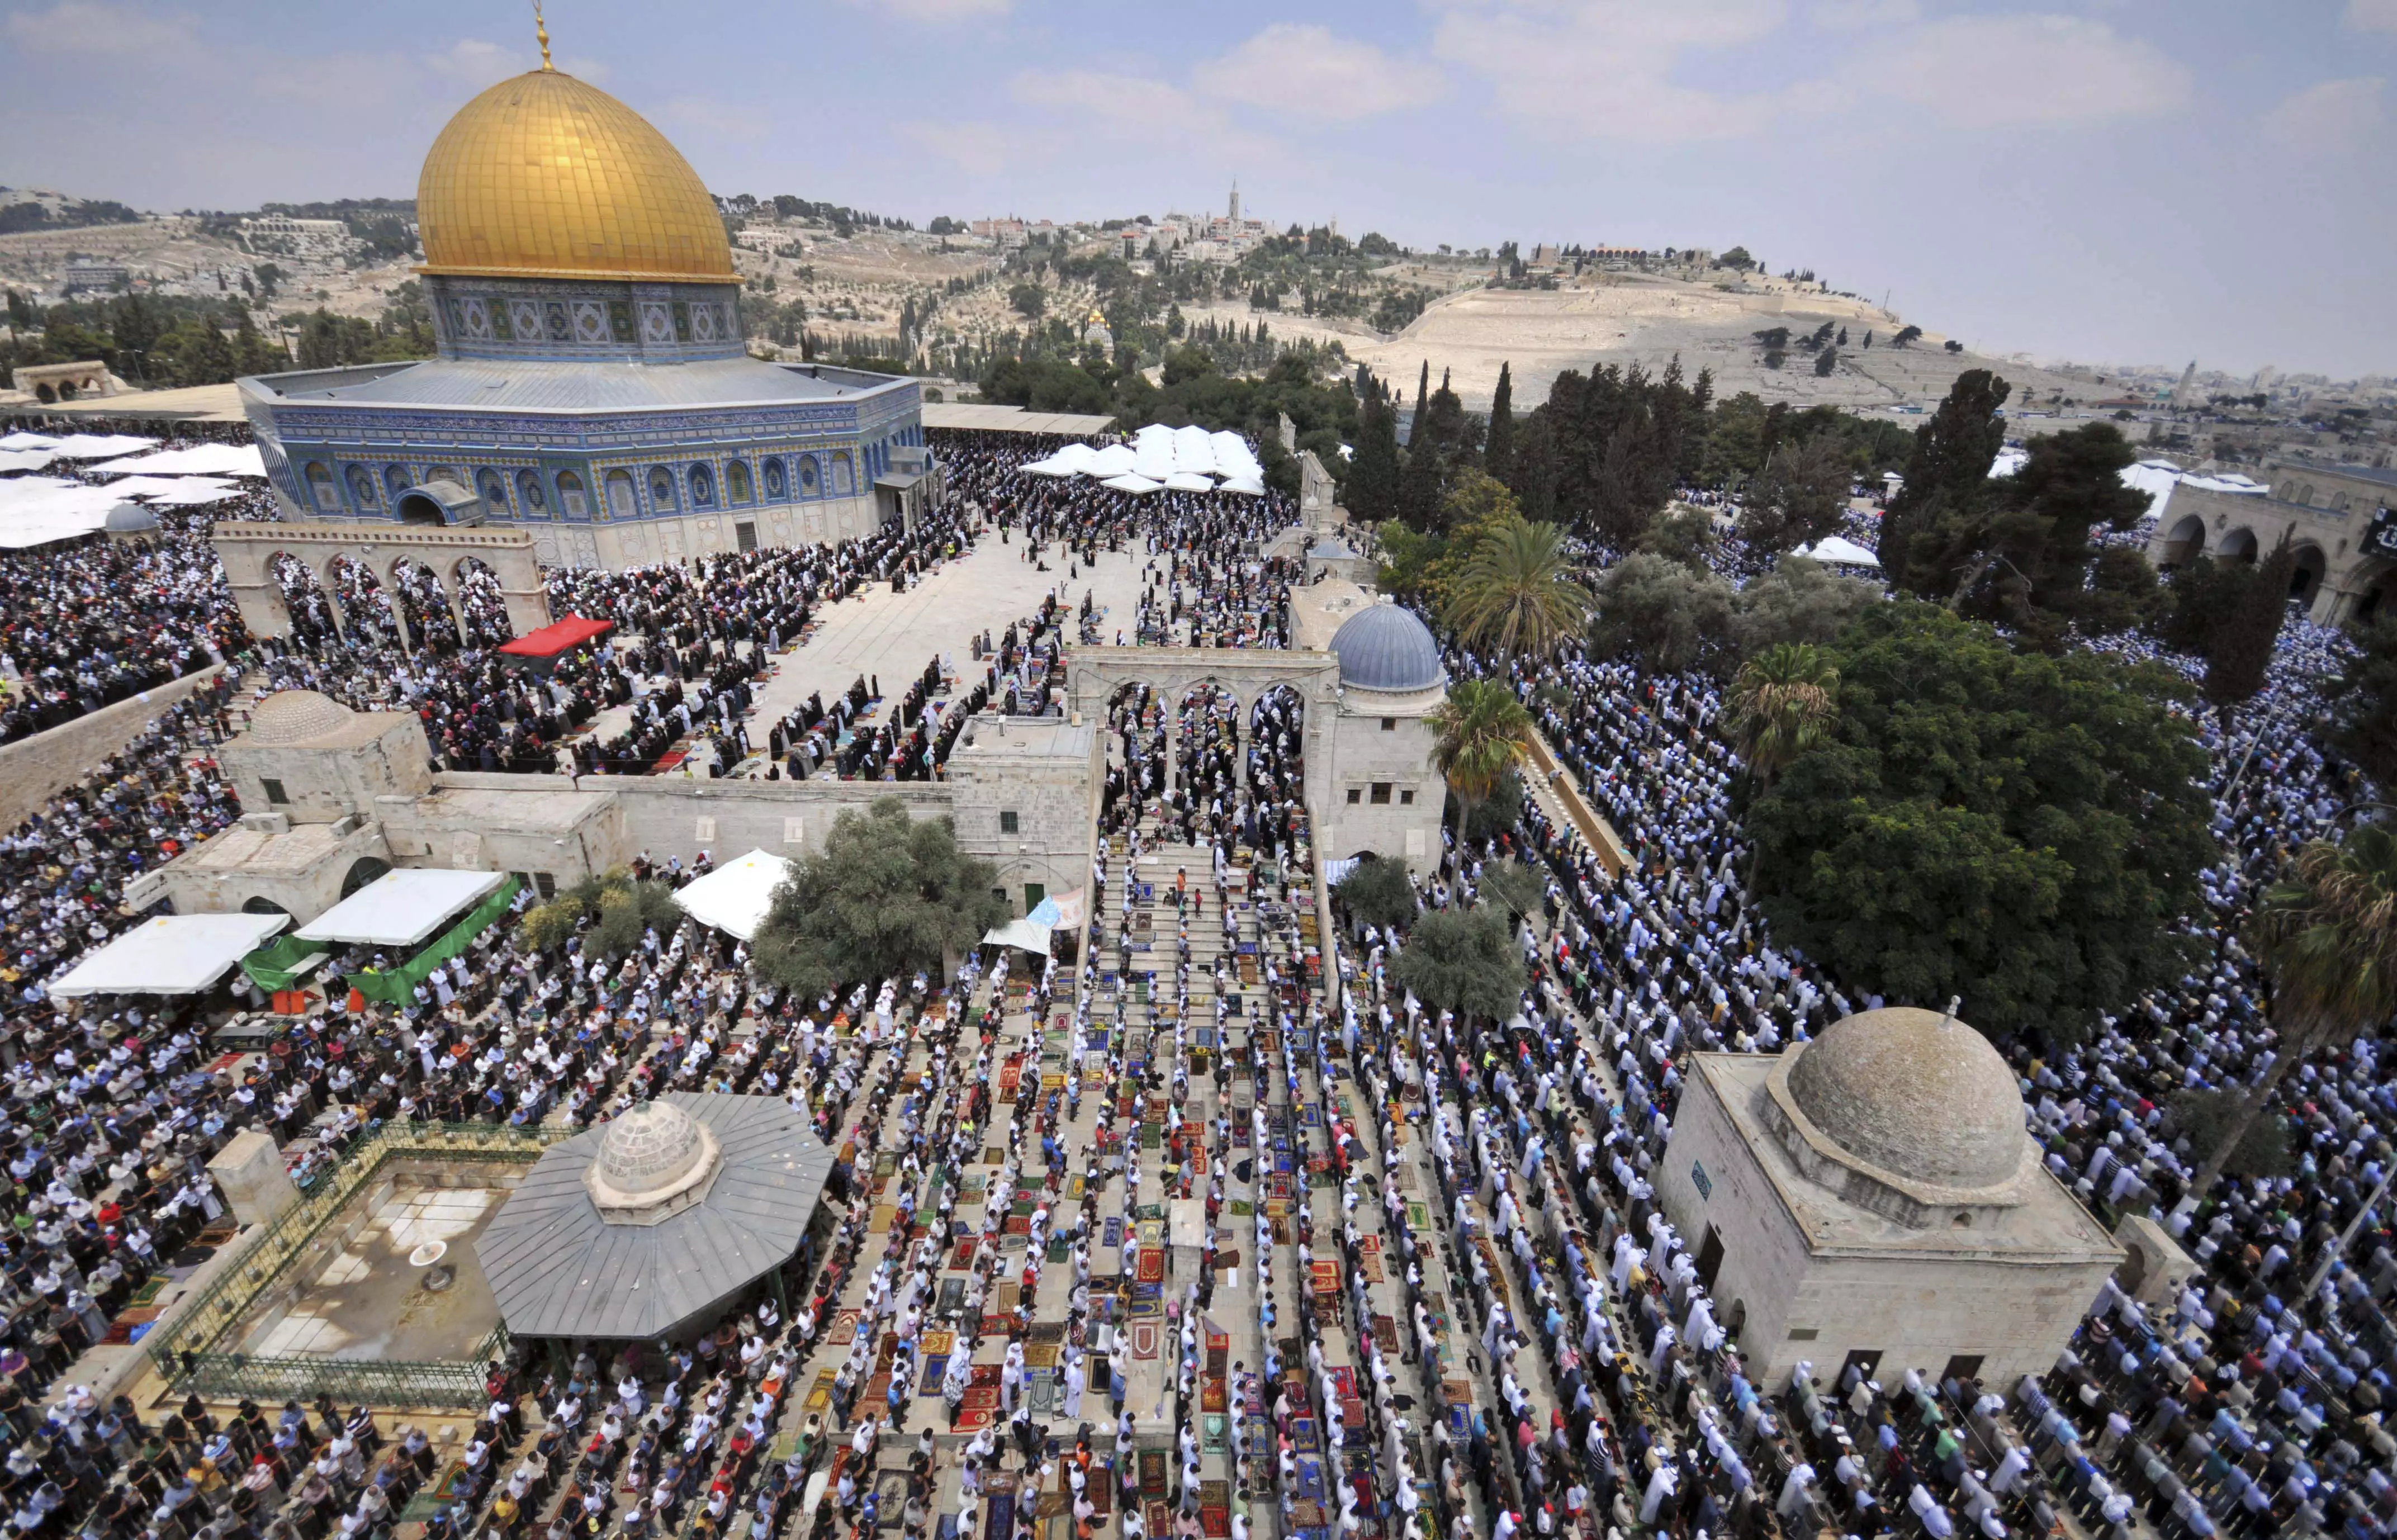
point(1152, 1266)
point(992, 1154)
point(1060, 1247)
point(1211, 1430)
point(1160, 1517)
point(1305, 1436)
point(1004, 1298)
point(935, 1344)
point(1257, 1438)
point(970, 1188)
point(953, 1296)
point(1046, 1394)
point(998, 1514)
point(1497, 1264)
point(1215, 1507)
point(1310, 1478)
point(935, 1370)
point(1101, 1491)
point(1325, 1276)
point(890, 1487)
point(1218, 1345)
point(1144, 1343)
point(1076, 1186)
point(963, 1256)
point(886, 1350)
point(1386, 1335)
point(1213, 1397)
point(1370, 1265)
point(1040, 1355)
point(1113, 1232)
point(1242, 1208)
point(883, 1216)
point(876, 1394)
point(843, 1331)
point(1153, 1474)
point(1344, 1380)
point(819, 1398)
point(1046, 1330)
point(1017, 1224)
point(1418, 1216)
point(1307, 1513)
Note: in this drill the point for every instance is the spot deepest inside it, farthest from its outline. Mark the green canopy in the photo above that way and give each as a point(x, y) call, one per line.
point(397, 985)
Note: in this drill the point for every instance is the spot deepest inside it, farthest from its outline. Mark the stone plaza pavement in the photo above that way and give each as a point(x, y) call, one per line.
point(876, 633)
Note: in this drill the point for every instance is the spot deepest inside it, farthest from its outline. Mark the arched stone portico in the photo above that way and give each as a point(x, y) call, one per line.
point(1094, 673)
point(245, 549)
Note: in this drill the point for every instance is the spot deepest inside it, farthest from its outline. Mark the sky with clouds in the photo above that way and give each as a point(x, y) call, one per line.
point(2121, 181)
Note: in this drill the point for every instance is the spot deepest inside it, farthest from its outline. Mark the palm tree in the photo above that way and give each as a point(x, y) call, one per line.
point(1518, 595)
point(2328, 941)
point(1475, 734)
point(1782, 703)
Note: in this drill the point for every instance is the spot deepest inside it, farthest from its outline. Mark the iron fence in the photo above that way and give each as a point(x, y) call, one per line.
point(187, 1351)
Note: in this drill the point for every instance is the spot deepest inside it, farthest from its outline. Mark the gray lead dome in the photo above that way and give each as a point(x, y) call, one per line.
point(1385, 647)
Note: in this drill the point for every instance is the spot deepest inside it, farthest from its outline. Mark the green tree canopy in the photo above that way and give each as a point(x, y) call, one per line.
point(888, 895)
point(2364, 703)
point(1947, 483)
point(1800, 495)
point(1378, 894)
point(1660, 612)
point(1464, 960)
point(1475, 734)
point(1517, 595)
point(2020, 829)
point(1797, 601)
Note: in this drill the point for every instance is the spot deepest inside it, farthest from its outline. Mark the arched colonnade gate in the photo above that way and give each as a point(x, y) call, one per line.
point(248, 551)
point(1094, 676)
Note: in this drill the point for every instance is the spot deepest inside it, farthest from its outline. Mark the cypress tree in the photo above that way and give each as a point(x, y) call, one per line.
point(1373, 488)
point(1498, 458)
point(1422, 392)
point(1947, 476)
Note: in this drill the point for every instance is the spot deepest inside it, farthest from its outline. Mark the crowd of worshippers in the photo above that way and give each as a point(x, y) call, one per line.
point(105, 1146)
point(2251, 1404)
point(87, 624)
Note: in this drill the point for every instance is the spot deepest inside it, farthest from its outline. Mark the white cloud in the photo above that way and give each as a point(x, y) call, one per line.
point(1141, 108)
point(937, 10)
point(1986, 72)
point(1848, 15)
point(713, 115)
point(1306, 71)
point(475, 62)
point(1609, 66)
point(2372, 15)
point(2333, 116)
point(87, 26)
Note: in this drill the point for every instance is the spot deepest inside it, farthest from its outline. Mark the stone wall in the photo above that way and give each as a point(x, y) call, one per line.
point(34, 769)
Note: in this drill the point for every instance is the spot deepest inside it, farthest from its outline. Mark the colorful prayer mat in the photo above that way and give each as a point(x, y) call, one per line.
point(1040, 1355)
point(1144, 1345)
point(1211, 1431)
point(1151, 1268)
point(953, 1296)
point(843, 1331)
point(1152, 1474)
point(883, 1216)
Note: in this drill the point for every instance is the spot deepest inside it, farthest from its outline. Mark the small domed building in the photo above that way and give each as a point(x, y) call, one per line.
point(655, 1223)
point(1875, 1195)
point(594, 385)
point(1380, 794)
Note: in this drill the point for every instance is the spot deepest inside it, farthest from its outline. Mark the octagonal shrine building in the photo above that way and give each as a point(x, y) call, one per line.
point(593, 385)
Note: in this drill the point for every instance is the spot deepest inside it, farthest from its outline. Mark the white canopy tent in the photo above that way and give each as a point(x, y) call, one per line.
point(27, 441)
point(1115, 459)
point(1232, 456)
point(170, 954)
point(401, 908)
point(734, 898)
point(1027, 933)
point(176, 492)
point(1188, 481)
point(1138, 486)
point(35, 510)
point(25, 460)
point(1838, 550)
point(100, 446)
point(193, 460)
point(1245, 486)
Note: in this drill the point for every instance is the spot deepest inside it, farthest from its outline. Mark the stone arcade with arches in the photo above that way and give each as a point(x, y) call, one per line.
point(594, 387)
point(2328, 512)
point(249, 552)
point(1366, 675)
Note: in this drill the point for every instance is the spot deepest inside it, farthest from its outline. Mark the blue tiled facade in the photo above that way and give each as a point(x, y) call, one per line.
point(721, 464)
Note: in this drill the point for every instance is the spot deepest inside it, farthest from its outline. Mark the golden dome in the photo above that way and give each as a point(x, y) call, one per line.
point(545, 175)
